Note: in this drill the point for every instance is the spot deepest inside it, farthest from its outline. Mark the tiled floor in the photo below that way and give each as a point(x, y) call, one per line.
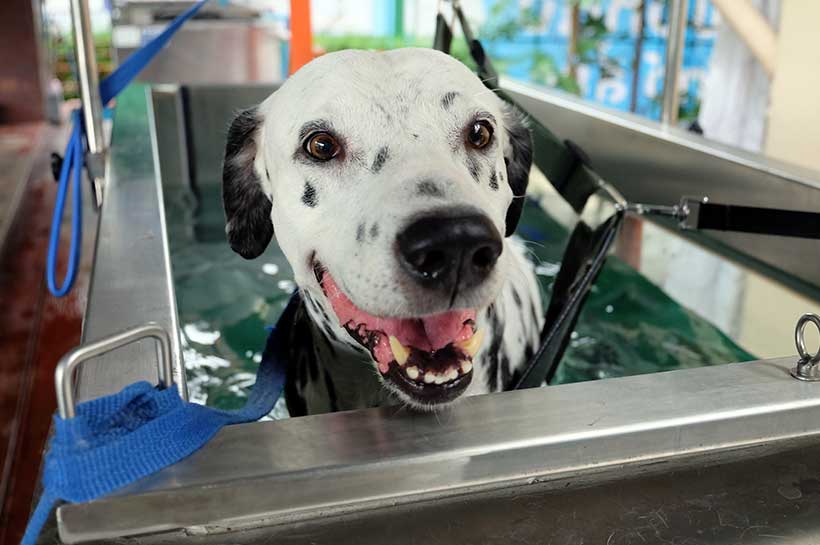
point(35, 328)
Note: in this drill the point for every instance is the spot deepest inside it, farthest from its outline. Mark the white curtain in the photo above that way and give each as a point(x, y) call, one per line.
point(734, 107)
point(735, 99)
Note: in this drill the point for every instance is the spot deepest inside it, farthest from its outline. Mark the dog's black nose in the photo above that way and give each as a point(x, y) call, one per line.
point(442, 251)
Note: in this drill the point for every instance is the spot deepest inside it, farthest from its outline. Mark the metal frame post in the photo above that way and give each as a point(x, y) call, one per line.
point(678, 10)
point(89, 92)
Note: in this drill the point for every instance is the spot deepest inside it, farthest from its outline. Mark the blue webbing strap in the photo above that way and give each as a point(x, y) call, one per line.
point(74, 159)
point(70, 164)
point(115, 440)
point(139, 59)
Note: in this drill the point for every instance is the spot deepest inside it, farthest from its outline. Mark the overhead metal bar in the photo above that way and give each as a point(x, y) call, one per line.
point(674, 56)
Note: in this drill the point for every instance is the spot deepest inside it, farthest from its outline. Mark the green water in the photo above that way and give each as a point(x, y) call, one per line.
point(628, 325)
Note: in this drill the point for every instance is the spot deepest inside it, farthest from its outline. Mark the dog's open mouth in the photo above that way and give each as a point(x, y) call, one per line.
point(429, 358)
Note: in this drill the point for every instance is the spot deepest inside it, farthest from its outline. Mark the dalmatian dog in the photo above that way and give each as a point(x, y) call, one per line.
point(393, 181)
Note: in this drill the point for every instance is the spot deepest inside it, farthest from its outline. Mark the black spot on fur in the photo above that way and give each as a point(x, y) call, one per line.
point(360, 233)
point(381, 158)
point(505, 371)
point(474, 167)
point(247, 207)
point(331, 335)
point(324, 315)
point(518, 160)
point(415, 135)
point(528, 352)
point(388, 116)
point(516, 298)
point(515, 379)
point(429, 188)
point(534, 314)
point(309, 196)
point(494, 181)
point(494, 350)
point(448, 98)
point(374, 231)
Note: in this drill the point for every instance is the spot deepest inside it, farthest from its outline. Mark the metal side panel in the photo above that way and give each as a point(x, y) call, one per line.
point(652, 164)
point(131, 281)
point(766, 500)
point(294, 471)
point(209, 110)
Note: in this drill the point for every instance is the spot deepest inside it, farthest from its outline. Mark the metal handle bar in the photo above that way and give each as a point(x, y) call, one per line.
point(64, 375)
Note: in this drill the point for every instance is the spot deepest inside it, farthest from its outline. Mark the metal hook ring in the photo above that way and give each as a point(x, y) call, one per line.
point(800, 341)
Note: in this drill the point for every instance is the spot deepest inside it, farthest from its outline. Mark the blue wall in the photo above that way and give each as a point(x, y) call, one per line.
point(621, 19)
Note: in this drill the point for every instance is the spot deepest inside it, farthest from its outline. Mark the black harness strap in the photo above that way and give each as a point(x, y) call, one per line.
point(583, 260)
point(444, 36)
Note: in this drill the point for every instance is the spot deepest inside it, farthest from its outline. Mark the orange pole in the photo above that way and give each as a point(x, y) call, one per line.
point(301, 39)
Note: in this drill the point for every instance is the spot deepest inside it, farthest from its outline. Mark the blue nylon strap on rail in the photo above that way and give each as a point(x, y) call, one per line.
point(139, 59)
point(70, 165)
point(74, 159)
point(115, 440)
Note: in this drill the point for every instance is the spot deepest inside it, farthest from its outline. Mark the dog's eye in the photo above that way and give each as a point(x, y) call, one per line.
point(480, 134)
point(322, 146)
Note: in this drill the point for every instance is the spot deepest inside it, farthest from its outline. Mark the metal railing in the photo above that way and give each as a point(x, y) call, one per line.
point(89, 86)
point(676, 36)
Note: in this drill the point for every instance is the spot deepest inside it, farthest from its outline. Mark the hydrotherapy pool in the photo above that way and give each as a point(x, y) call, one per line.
point(629, 326)
point(618, 448)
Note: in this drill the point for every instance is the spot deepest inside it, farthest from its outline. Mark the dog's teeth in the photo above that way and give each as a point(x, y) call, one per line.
point(471, 345)
point(412, 372)
point(400, 352)
point(466, 367)
point(429, 378)
point(452, 374)
point(441, 379)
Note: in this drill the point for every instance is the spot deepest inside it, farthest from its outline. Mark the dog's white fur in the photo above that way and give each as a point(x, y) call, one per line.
point(398, 130)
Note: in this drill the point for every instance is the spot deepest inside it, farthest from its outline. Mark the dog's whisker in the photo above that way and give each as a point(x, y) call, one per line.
point(485, 91)
point(532, 243)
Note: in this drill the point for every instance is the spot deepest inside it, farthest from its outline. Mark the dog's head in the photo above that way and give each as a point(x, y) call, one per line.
point(390, 180)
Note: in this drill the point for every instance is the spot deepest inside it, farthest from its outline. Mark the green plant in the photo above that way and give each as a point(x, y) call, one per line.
point(508, 21)
point(61, 47)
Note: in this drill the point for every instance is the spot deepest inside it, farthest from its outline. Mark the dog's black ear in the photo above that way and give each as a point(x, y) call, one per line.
point(518, 158)
point(247, 207)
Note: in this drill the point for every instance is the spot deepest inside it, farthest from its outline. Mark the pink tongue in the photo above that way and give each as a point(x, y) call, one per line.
point(428, 333)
